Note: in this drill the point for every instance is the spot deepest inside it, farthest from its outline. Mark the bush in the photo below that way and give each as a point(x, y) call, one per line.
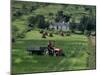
point(43, 35)
point(51, 34)
point(46, 33)
point(29, 29)
point(21, 35)
point(68, 33)
point(62, 33)
point(41, 31)
point(13, 39)
point(87, 33)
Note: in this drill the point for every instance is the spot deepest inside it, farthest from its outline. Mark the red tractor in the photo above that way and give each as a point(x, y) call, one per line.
point(53, 50)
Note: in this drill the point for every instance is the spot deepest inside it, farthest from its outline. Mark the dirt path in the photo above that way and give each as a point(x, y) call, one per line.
point(93, 40)
point(91, 60)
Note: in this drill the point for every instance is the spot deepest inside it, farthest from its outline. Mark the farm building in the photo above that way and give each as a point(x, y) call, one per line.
point(60, 26)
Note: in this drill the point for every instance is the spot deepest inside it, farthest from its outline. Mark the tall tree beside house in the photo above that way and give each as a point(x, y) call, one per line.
point(40, 21)
point(88, 22)
point(67, 17)
point(31, 22)
point(59, 16)
point(83, 23)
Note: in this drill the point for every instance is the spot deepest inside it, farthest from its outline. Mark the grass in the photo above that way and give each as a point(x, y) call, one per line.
point(51, 9)
point(75, 48)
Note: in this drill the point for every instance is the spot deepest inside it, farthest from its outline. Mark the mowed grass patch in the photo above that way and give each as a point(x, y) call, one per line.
point(35, 35)
point(74, 47)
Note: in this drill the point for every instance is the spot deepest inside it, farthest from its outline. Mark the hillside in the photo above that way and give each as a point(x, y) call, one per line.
point(30, 30)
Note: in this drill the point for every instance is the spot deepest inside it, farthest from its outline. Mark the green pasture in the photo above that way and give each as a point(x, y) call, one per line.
point(75, 48)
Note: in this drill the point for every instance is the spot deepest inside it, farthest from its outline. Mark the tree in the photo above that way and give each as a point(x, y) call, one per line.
point(91, 24)
point(51, 17)
point(18, 13)
point(14, 33)
point(67, 18)
point(40, 21)
point(31, 21)
point(83, 23)
point(87, 23)
point(62, 17)
point(59, 16)
point(72, 27)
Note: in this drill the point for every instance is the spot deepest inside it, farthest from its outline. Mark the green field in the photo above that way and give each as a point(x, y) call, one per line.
point(79, 47)
point(75, 48)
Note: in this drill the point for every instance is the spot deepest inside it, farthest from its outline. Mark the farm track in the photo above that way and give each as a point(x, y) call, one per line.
point(93, 41)
point(91, 60)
